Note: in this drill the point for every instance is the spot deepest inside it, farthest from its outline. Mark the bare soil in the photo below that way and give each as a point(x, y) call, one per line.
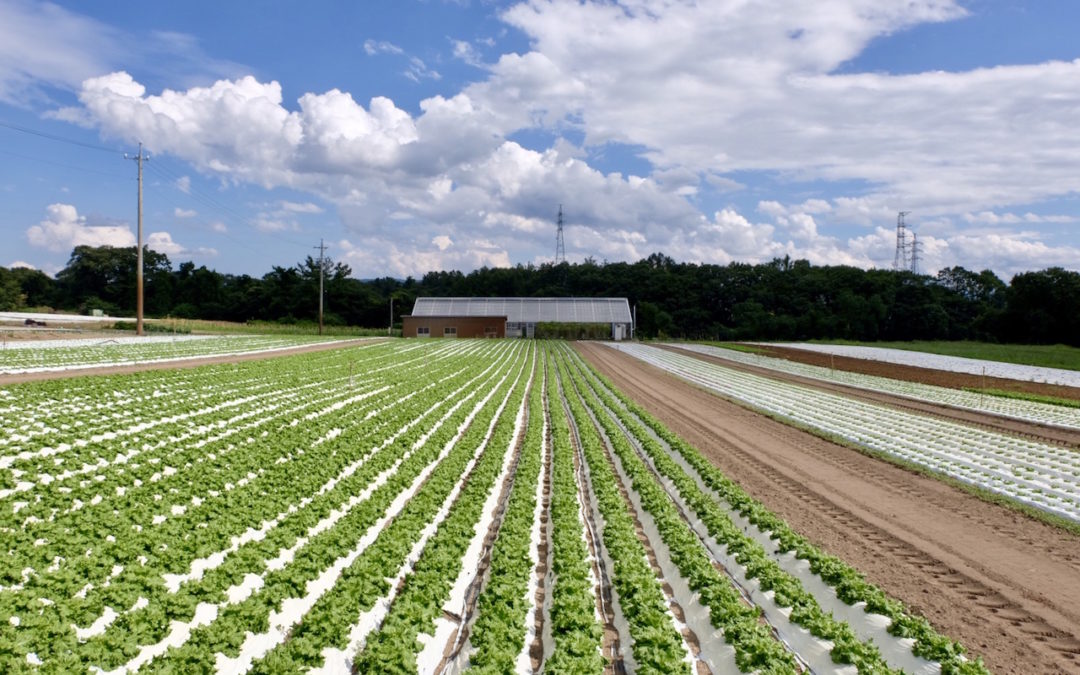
point(1003, 584)
point(18, 378)
point(941, 378)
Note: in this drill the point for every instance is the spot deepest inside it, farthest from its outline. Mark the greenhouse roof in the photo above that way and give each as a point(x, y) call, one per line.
point(530, 310)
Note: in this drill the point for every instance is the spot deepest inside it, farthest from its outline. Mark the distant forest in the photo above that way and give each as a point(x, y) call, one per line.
point(782, 299)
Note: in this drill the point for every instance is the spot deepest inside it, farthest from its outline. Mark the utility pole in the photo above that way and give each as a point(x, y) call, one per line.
point(139, 159)
point(390, 330)
point(322, 249)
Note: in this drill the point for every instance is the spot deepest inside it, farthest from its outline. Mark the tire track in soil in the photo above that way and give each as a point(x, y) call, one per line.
point(1004, 585)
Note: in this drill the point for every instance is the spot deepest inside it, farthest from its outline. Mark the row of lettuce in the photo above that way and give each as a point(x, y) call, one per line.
point(357, 484)
point(35, 356)
point(1038, 474)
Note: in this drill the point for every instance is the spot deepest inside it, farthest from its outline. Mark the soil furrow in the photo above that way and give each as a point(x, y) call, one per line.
point(1003, 584)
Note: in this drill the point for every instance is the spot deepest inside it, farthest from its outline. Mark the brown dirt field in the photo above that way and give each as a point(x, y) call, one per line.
point(941, 378)
point(188, 363)
point(1003, 584)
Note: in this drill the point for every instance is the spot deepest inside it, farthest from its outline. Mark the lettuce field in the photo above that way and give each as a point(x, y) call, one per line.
point(405, 506)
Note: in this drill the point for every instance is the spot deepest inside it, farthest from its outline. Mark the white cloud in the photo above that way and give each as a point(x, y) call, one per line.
point(184, 213)
point(266, 223)
point(44, 45)
point(63, 229)
point(162, 242)
point(218, 226)
point(183, 184)
point(418, 70)
point(378, 255)
point(758, 81)
point(373, 47)
point(300, 207)
point(16, 264)
point(466, 52)
point(711, 91)
point(993, 218)
point(442, 242)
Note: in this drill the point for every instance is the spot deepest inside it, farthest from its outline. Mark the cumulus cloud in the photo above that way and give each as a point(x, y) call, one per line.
point(162, 242)
point(183, 184)
point(759, 82)
point(20, 264)
point(184, 213)
point(380, 255)
point(703, 92)
point(63, 229)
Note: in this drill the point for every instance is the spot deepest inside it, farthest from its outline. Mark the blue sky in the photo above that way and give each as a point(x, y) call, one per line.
point(420, 135)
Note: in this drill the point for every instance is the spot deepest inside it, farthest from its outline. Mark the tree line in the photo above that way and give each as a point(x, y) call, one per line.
point(783, 299)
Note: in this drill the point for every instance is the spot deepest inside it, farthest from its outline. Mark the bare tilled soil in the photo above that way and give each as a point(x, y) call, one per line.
point(941, 378)
point(1006, 586)
point(16, 378)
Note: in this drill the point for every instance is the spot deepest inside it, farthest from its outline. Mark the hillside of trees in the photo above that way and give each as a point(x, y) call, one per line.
point(783, 299)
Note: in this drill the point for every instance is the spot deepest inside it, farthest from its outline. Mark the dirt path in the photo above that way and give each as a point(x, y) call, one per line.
point(1032, 430)
point(18, 378)
point(941, 378)
point(1004, 585)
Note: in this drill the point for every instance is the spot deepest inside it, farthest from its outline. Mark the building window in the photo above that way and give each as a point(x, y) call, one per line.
point(423, 331)
point(450, 331)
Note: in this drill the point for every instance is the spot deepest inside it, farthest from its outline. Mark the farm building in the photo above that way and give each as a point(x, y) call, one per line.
point(513, 317)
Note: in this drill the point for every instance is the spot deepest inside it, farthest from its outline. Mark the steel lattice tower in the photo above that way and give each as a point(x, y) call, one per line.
point(916, 253)
point(560, 245)
point(900, 262)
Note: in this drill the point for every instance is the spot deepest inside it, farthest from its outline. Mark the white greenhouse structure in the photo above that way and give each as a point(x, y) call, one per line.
point(521, 315)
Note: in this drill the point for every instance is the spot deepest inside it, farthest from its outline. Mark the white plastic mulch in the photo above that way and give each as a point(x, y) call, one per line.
point(956, 364)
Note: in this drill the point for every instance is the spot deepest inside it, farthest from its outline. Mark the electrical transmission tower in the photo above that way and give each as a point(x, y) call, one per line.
point(916, 253)
point(560, 245)
point(900, 261)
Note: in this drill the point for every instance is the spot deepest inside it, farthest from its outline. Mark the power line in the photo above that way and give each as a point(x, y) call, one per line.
point(54, 137)
point(31, 158)
point(161, 171)
point(208, 200)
